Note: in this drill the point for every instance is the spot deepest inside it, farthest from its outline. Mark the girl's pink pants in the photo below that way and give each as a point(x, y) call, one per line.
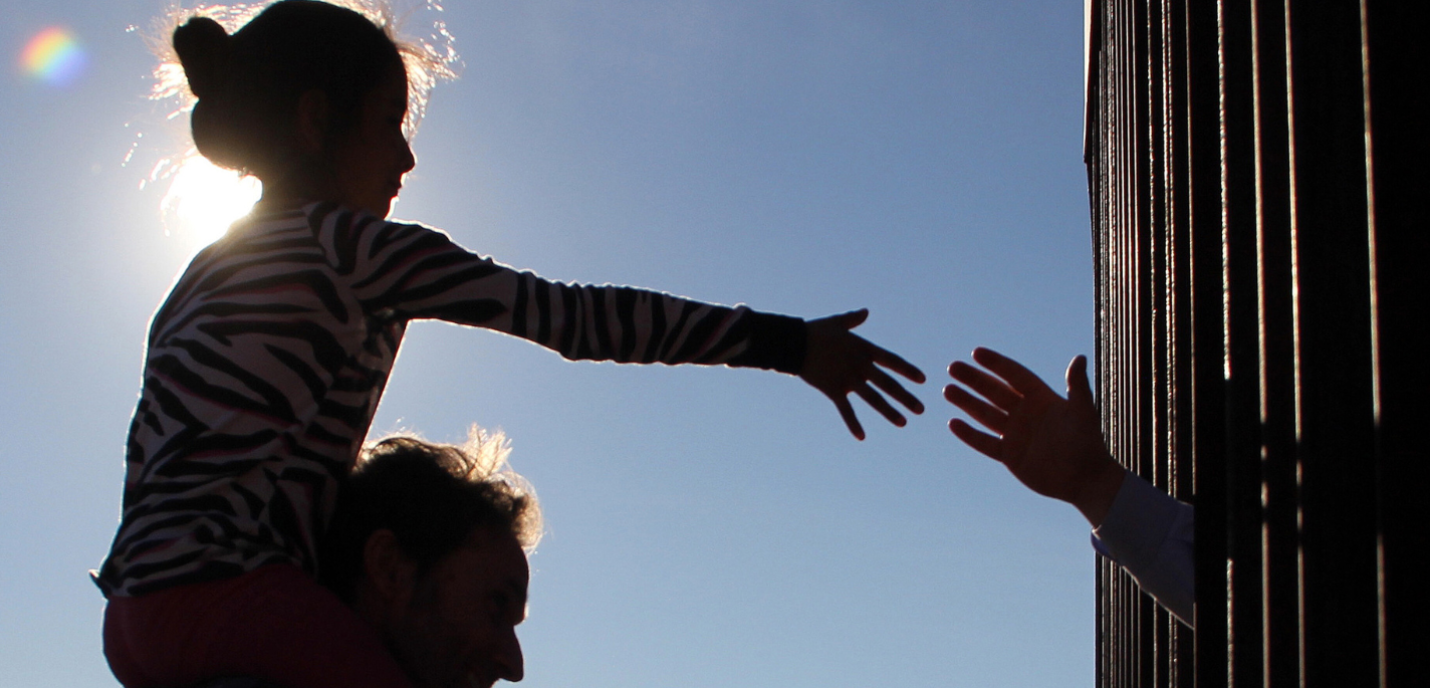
point(275, 623)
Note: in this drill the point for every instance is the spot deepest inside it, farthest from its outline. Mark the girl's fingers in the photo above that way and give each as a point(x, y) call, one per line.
point(846, 412)
point(992, 389)
point(880, 404)
point(891, 387)
point(981, 442)
point(852, 319)
point(1021, 379)
point(990, 417)
point(896, 363)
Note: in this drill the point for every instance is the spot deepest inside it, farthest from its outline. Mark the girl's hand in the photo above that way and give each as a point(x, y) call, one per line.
point(837, 362)
point(1051, 444)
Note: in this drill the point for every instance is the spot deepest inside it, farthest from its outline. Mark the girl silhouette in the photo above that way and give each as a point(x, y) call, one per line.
point(267, 360)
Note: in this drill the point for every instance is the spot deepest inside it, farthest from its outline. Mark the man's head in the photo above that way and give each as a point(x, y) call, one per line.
point(427, 545)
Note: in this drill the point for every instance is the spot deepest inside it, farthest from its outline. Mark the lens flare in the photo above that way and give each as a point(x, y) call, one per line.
point(203, 200)
point(54, 57)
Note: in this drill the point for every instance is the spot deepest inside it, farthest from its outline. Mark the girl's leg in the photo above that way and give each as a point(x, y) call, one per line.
point(274, 623)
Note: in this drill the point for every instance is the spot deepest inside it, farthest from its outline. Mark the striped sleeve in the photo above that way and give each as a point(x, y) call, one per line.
point(409, 272)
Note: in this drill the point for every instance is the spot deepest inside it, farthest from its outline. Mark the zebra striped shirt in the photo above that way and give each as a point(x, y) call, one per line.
point(267, 360)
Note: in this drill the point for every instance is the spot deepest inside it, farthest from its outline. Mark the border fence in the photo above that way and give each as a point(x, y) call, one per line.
point(1257, 173)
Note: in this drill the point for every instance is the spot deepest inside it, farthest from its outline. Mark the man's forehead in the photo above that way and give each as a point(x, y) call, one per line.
point(501, 552)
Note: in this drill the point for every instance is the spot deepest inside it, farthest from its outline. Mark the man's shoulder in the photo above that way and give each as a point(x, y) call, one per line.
point(239, 682)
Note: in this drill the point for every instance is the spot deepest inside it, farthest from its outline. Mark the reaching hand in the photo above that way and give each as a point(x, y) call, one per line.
point(837, 362)
point(1050, 444)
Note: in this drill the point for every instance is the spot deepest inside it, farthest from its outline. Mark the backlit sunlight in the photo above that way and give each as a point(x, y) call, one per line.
point(203, 200)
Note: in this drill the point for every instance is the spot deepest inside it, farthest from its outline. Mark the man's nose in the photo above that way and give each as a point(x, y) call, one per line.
point(508, 659)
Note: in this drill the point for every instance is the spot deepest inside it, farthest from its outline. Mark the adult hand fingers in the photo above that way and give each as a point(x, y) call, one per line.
point(880, 404)
point(992, 389)
point(892, 388)
point(1021, 379)
point(982, 411)
point(981, 442)
point(1078, 389)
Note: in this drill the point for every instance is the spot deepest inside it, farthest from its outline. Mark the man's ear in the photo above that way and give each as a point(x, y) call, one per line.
point(390, 573)
point(312, 121)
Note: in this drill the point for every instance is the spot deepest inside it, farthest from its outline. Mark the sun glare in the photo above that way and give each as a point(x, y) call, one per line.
point(203, 200)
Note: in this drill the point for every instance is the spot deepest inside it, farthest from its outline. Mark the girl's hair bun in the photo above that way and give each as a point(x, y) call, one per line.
point(203, 49)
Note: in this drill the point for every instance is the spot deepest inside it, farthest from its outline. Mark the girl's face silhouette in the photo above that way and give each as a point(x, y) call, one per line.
point(370, 160)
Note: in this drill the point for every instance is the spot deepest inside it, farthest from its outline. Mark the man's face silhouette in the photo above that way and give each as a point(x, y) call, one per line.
point(456, 624)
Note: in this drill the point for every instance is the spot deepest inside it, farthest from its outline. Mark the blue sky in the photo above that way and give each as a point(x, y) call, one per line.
point(706, 527)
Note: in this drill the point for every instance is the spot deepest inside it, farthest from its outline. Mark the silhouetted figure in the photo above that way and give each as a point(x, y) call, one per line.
point(428, 548)
point(429, 552)
point(266, 362)
point(240, 682)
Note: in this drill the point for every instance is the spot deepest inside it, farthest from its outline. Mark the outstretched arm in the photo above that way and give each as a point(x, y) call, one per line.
point(838, 362)
point(1053, 446)
point(412, 272)
point(1050, 444)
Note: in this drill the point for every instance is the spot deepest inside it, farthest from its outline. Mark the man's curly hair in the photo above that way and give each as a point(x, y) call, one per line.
point(432, 497)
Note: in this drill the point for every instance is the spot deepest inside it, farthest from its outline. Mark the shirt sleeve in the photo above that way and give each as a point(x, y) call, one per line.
point(1149, 534)
point(410, 272)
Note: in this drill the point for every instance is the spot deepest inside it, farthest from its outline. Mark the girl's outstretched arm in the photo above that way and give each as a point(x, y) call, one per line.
point(403, 272)
point(838, 362)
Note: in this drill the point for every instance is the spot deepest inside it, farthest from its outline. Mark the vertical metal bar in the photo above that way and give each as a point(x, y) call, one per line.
point(1156, 235)
point(1335, 425)
point(1279, 583)
point(1112, 211)
point(1241, 321)
point(1371, 236)
point(1141, 347)
point(1206, 364)
point(1098, 151)
point(1179, 310)
point(1395, 62)
point(1129, 387)
point(1123, 391)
